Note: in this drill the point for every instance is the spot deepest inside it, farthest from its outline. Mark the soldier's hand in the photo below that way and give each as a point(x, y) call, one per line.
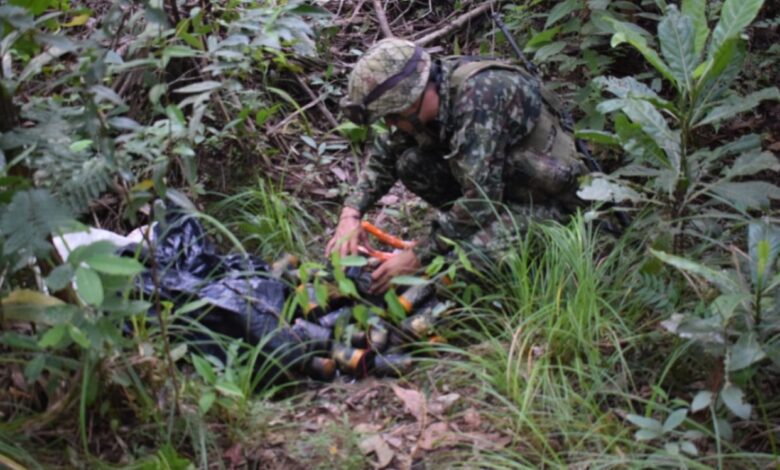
point(405, 262)
point(349, 234)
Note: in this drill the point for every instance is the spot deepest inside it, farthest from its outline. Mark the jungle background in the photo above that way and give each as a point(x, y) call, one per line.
point(657, 347)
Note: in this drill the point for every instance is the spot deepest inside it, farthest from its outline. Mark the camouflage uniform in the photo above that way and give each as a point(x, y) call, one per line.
point(476, 153)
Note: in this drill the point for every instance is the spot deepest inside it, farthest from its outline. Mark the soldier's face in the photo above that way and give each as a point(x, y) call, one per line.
point(405, 121)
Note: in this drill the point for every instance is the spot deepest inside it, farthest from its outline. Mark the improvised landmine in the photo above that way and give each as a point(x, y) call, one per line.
point(382, 349)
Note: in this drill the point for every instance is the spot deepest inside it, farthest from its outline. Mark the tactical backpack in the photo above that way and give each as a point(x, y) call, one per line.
point(545, 164)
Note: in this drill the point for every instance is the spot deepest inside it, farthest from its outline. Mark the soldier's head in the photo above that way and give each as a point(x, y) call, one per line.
point(389, 81)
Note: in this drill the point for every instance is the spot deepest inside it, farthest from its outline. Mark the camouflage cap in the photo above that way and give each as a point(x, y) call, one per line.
point(383, 60)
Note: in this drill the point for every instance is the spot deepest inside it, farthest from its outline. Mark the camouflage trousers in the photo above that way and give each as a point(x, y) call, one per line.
point(429, 177)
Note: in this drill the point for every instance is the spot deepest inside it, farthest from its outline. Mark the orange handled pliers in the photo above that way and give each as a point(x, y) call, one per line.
point(384, 238)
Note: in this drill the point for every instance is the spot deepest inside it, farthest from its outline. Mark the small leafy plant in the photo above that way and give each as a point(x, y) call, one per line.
point(663, 138)
point(741, 326)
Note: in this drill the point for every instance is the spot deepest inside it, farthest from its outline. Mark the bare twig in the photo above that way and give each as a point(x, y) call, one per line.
point(320, 105)
point(457, 23)
point(380, 15)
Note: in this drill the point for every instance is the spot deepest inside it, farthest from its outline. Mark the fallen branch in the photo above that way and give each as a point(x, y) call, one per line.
point(457, 23)
point(274, 129)
point(380, 15)
point(320, 105)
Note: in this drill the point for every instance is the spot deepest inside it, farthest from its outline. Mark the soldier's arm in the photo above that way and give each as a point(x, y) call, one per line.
point(379, 173)
point(482, 111)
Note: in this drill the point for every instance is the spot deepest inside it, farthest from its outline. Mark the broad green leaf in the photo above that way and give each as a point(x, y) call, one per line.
point(645, 423)
point(676, 35)
point(177, 51)
point(726, 432)
point(114, 264)
point(672, 448)
point(309, 10)
point(84, 252)
point(725, 305)
point(80, 145)
point(204, 369)
point(739, 105)
point(200, 87)
point(394, 307)
point(735, 15)
point(409, 281)
point(602, 189)
point(206, 401)
point(624, 33)
point(639, 146)
point(744, 353)
point(630, 87)
point(675, 419)
point(560, 10)
point(549, 50)
point(40, 61)
point(599, 137)
point(89, 286)
point(435, 266)
point(646, 435)
point(53, 336)
point(751, 163)
point(717, 75)
point(229, 389)
point(734, 399)
point(689, 448)
point(192, 306)
point(104, 93)
point(746, 195)
point(763, 247)
point(653, 123)
point(702, 400)
point(541, 38)
point(29, 306)
point(360, 314)
point(353, 260)
point(719, 278)
point(34, 368)
point(696, 10)
point(79, 337)
point(123, 123)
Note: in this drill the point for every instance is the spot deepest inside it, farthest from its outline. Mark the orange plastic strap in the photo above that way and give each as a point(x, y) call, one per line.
point(385, 237)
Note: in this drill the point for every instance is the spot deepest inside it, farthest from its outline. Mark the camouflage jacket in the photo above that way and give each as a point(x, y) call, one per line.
point(476, 127)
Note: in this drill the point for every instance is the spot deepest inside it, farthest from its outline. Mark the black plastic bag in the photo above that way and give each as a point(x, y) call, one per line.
point(243, 301)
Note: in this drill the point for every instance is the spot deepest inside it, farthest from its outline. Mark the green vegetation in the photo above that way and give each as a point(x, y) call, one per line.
point(657, 348)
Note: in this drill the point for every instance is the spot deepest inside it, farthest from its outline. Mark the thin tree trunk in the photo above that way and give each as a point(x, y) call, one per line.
point(9, 115)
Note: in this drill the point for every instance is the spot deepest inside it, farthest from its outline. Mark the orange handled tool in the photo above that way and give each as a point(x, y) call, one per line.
point(384, 238)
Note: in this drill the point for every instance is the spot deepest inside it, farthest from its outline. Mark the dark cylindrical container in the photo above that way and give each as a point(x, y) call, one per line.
point(330, 319)
point(420, 324)
point(378, 337)
point(392, 365)
point(315, 337)
point(415, 296)
point(321, 368)
point(359, 339)
point(352, 361)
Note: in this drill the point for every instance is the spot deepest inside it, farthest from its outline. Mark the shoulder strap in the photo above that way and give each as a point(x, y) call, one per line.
point(470, 67)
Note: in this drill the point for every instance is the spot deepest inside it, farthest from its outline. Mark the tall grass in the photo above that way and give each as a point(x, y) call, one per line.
point(269, 220)
point(552, 340)
point(561, 351)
